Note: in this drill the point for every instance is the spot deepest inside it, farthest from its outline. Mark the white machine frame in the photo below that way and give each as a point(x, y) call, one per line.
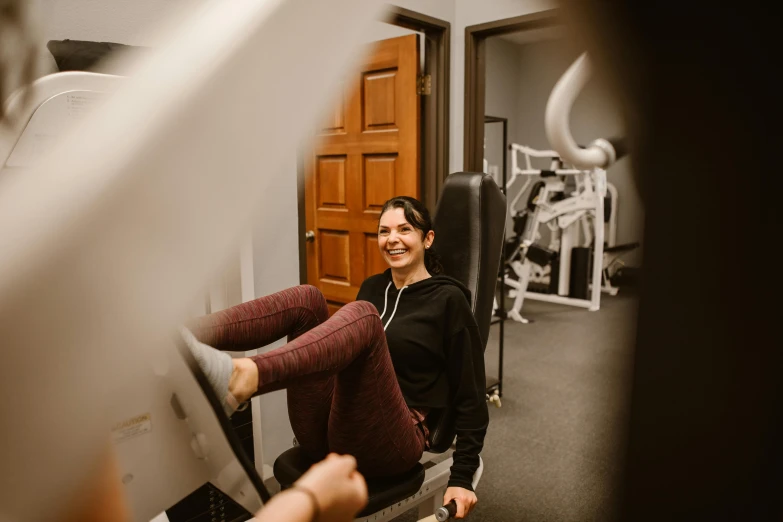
point(595, 158)
point(56, 103)
point(568, 214)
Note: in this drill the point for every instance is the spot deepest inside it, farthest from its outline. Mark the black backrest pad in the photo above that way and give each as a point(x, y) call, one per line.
point(469, 227)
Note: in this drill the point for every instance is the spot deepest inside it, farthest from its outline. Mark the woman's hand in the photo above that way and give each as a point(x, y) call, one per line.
point(464, 498)
point(340, 490)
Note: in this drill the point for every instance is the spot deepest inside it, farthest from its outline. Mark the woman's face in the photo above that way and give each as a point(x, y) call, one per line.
point(401, 245)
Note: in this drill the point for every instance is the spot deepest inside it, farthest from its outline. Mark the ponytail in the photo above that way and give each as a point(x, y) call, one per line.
point(432, 261)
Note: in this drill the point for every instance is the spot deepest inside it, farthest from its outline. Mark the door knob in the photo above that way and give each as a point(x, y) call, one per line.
point(310, 236)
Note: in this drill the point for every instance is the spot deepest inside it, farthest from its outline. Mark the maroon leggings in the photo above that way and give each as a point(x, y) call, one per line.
point(343, 395)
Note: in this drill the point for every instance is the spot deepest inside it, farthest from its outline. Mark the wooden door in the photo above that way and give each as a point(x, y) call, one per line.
point(366, 153)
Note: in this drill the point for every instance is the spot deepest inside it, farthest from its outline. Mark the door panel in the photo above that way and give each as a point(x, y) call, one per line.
point(366, 152)
point(335, 253)
point(378, 104)
point(331, 182)
point(380, 172)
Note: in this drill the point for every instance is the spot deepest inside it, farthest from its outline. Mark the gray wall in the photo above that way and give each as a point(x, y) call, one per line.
point(501, 96)
point(468, 13)
point(595, 114)
point(500, 100)
point(502, 88)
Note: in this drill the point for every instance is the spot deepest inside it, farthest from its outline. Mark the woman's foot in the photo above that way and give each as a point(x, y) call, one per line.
point(233, 380)
point(243, 383)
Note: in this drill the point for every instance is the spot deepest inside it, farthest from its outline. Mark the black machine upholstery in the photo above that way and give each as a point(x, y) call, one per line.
point(381, 492)
point(469, 226)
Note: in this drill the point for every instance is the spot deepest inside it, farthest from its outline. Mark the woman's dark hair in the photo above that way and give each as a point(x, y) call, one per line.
point(419, 217)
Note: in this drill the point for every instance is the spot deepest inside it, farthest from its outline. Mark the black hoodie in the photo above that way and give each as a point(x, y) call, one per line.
point(436, 350)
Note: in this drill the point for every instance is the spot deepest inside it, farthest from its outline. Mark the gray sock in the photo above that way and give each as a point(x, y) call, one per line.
point(217, 367)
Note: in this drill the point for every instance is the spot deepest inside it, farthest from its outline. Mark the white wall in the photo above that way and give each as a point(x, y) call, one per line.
point(118, 21)
point(132, 22)
point(473, 12)
point(442, 9)
point(502, 85)
point(501, 97)
point(274, 270)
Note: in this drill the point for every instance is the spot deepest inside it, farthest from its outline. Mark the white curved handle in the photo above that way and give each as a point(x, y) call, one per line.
point(599, 153)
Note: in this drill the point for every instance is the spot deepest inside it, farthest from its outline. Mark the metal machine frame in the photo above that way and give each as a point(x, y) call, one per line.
point(567, 214)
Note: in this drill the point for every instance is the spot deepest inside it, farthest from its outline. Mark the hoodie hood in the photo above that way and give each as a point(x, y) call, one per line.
point(426, 284)
point(417, 290)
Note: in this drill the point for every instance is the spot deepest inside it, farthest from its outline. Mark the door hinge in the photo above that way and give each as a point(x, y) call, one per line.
point(424, 85)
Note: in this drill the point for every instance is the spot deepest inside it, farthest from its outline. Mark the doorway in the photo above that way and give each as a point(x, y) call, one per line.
point(475, 75)
point(515, 64)
point(333, 256)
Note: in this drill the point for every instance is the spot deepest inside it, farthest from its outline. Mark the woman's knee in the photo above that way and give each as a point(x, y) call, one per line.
point(315, 301)
point(366, 314)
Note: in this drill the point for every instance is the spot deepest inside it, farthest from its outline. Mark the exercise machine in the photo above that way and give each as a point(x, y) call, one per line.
point(613, 253)
point(170, 434)
point(569, 198)
point(569, 201)
point(468, 223)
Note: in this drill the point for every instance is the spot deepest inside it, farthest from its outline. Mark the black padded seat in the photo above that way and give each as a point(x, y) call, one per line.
point(382, 491)
point(469, 225)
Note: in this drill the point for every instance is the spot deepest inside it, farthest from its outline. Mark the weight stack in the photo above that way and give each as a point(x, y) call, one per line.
point(579, 287)
point(554, 275)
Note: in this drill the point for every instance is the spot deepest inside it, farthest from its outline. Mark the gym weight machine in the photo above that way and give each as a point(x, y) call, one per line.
point(565, 216)
point(570, 198)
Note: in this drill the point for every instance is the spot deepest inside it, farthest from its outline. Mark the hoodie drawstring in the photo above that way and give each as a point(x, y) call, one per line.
point(395, 306)
point(385, 297)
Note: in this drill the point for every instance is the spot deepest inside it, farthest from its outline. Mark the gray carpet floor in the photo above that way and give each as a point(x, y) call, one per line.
point(553, 450)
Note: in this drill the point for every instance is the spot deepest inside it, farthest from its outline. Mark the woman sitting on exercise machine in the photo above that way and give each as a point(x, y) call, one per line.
point(361, 383)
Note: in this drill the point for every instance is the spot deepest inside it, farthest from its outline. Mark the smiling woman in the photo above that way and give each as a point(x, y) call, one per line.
point(427, 321)
point(421, 353)
point(405, 239)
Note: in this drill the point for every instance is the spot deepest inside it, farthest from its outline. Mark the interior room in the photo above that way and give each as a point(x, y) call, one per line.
point(410, 234)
